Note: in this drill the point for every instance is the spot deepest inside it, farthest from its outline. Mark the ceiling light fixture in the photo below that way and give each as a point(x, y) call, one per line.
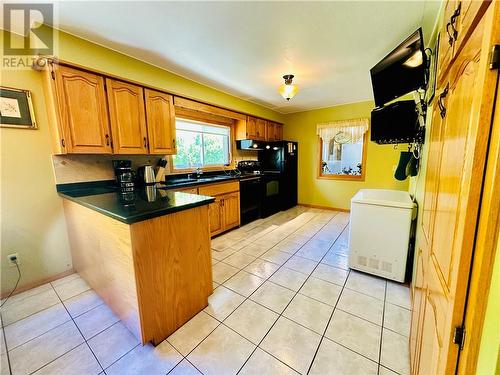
point(288, 90)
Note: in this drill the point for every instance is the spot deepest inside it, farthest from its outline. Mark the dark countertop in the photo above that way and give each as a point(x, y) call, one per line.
point(183, 182)
point(143, 204)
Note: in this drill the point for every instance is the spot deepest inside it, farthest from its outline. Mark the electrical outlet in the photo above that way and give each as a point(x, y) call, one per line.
point(13, 259)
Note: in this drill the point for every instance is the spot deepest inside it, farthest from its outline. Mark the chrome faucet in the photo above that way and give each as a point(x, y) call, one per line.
point(198, 172)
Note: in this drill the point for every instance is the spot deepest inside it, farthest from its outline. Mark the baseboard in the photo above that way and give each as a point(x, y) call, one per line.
point(37, 283)
point(324, 207)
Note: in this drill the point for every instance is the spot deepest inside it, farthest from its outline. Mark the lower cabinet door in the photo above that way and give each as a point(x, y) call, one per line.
point(215, 216)
point(231, 209)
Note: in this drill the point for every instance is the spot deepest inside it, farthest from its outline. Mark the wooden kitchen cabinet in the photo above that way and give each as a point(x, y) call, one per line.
point(77, 110)
point(231, 209)
point(274, 131)
point(160, 119)
point(127, 117)
point(215, 216)
point(259, 130)
point(460, 16)
point(225, 211)
point(253, 128)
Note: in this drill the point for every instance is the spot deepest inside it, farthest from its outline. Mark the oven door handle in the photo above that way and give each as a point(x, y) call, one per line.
point(250, 179)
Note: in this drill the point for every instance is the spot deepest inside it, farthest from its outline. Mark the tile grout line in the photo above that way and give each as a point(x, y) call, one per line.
point(382, 331)
point(296, 292)
point(51, 329)
point(246, 298)
point(78, 328)
point(6, 348)
point(329, 320)
point(48, 307)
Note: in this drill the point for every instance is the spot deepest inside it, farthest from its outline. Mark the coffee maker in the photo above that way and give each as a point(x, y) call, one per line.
point(124, 175)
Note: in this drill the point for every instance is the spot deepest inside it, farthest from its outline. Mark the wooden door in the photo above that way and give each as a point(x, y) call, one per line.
point(433, 164)
point(251, 128)
point(446, 40)
point(465, 136)
point(231, 209)
point(128, 119)
point(215, 216)
point(160, 118)
point(81, 102)
point(417, 315)
point(467, 11)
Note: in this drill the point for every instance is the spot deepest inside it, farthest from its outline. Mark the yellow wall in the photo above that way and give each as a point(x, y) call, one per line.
point(32, 220)
point(489, 351)
point(301, 127)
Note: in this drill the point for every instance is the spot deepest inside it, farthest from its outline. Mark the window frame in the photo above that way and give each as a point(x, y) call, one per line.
point(342, 177)
point(210, 168)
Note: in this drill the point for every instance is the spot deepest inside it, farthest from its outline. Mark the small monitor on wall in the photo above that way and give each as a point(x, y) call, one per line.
point(401, 71)
point(395, 123)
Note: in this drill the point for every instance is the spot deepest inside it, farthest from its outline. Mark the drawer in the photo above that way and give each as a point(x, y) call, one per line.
point(218, 189)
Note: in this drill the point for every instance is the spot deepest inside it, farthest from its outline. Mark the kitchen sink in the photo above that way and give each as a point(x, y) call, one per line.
point(194, 180)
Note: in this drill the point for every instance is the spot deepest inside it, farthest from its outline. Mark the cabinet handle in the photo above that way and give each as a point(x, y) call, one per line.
point(442, 108)
point(145, 142)
point(453, 35)
point(107, 139)
point(453, 19)
point(450, 37)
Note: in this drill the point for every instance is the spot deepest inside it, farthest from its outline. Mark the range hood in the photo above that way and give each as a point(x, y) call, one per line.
point(248, 144)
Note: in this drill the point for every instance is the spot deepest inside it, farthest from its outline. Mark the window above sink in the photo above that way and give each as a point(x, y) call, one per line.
point(201, 145)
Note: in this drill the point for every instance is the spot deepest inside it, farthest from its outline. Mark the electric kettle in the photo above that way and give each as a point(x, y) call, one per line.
point(146, 174)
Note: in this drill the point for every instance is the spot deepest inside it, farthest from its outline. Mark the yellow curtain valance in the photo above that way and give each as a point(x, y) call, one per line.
point(348, 130)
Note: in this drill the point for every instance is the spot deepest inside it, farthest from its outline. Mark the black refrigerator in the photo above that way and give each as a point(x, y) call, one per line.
point(279, 166)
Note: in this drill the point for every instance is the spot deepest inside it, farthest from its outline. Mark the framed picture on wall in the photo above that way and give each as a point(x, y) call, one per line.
point(431, 87)
point(16, 109)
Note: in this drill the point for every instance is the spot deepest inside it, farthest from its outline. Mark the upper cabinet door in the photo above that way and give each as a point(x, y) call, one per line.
point(251, 128)
point(128, 119)
point(82, 111)
point(270, 131)
point(261, 129)
point(160, 117)
point(278, 132)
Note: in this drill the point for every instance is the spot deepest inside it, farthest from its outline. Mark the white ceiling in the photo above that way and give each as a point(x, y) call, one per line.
point(244, 48)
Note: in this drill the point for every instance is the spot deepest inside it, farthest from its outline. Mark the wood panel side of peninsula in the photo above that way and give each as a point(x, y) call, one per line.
point(155, 274)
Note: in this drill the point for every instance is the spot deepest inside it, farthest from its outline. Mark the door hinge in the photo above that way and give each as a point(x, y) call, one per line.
point(459, 336)
point(495, 57)
point(53, 75)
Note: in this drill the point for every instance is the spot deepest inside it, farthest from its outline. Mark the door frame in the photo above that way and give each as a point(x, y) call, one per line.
point(487, 235)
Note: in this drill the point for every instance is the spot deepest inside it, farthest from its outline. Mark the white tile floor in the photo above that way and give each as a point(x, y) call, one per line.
point(284, 303)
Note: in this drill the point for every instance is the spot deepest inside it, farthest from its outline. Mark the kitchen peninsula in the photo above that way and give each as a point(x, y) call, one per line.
point(141, 253)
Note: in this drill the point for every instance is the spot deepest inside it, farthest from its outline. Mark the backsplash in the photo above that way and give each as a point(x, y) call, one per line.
point(83, 168)
point(245, 155)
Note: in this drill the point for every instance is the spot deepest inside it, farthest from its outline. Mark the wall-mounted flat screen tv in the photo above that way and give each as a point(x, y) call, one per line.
point(401, 71)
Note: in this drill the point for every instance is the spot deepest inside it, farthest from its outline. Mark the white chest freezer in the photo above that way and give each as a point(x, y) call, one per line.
point(379, 232)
